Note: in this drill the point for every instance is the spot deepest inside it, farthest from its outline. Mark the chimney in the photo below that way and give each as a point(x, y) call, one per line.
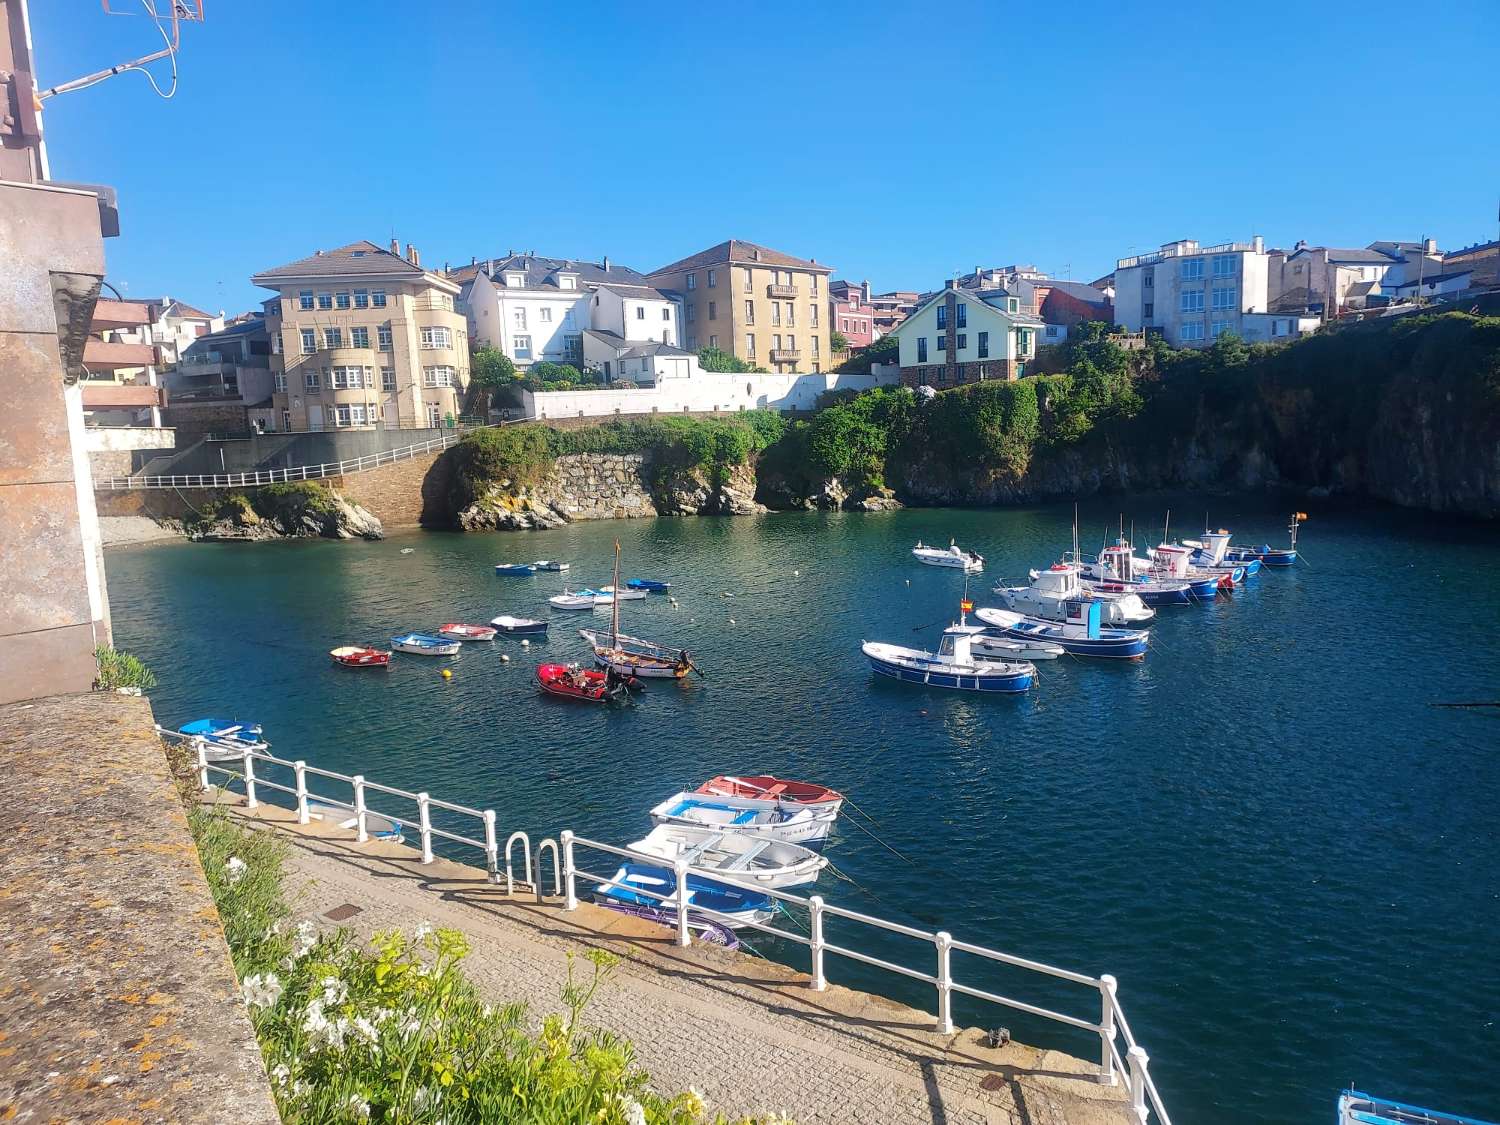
point(1429, 246)
point(1259, 243)
point(473, 261)
point(864, 291)
point(396, 247)
point(412, 256)
point(951, 283)
point(446, 270)
point(606, 263)
point(489, 266)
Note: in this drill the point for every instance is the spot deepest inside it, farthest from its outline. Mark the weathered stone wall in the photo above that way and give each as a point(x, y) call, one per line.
point(599, 486)
point(410, 493)
point(110, 463)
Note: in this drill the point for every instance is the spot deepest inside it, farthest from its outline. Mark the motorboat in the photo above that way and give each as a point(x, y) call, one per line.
point(954, 665)
point(745, 858)
point(1117, 570)
point(952, 556)
point(550, 565)
point(807, 825)
point(425, 645)
point(225, 738)
point(1356, 1108)
point(700, 926)
point(460, 632)
point(519, 626)
point(1175, 560)
point(625, 594)
point(650, 585)
point(767, 788)
point(515, 570)
point(377, 825)
point(586, 685)
point(641, 884)
point(578, 600)
point(1079, 635)
point(1267, 554)
point(1211, 552)
point(1051, 589)
point(632, 656)
point(358, 656)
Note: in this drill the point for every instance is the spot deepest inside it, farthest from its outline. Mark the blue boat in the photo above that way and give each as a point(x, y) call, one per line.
point(954, 665)
point(424, 644)
point(1356, 1108)
point(650, 585)
point(1080, 634)
point(1118, 570)
point(1268, 555)
point(732, 906)
point(515, 570)
point(229, 733)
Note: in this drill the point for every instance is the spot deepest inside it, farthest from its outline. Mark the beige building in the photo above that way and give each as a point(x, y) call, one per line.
point(765, 307)
point(362, 337)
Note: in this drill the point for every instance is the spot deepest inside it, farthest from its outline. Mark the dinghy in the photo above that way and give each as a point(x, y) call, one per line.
point(650, 585)
point(767, 788)
point(569, 681)
point(625, 594)
point(460, 632)
point(1079, 635)
point(1356, 1108)
point(731, 906)
point(424, 645)
point(1008, 648)
point(807, 825)
point(1053, 588)
point(520, 626)
point(515, 570)
point(632, 656)
point(952, 555)
point(745, 858)
point(377, 825)
point(701, 927)
point(357, 656)
point(225, 738)
point(578, 600)
point(1266, 554)
point(550, 564)
point(954, 664)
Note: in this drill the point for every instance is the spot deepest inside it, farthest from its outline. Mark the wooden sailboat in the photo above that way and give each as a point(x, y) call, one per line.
point(632, 656)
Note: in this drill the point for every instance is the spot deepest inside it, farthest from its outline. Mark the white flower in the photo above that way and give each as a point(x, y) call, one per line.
point(381, 1015)
point(424, 928)
point(335, 991)
point(304, 940)
point(487, 1011)
point(358, 1106)
point(300, 1088)
point(694, 1102)
point(280, 1074)
point(261, 991)
point(366, 1030)
point(424, 970)
point(275, 928)
point(234, 869)
point(633, 1111)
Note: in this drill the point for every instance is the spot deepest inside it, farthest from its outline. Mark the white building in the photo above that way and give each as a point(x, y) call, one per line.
point(174, 325)
point(958, 336)
point(687, 389)
point(1193, 294)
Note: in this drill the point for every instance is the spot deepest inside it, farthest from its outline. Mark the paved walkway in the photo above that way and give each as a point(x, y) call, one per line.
point(746, 1032)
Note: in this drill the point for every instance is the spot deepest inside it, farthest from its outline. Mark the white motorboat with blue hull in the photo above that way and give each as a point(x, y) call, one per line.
point(225, 738)
point(423, 644)
point(1356, 1108)
point(515, 570)
point(1212, 552)
point(1080, 635)
point(1266, 554)
point(519, 626)
point(954, 665)
point(640, 884)
point(1118, 570)
point(1053, 588)
point(760, 861)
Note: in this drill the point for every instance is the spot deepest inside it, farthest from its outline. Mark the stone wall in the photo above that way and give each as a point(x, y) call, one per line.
point(111, 463)
point(599, 486)
point(410, 493)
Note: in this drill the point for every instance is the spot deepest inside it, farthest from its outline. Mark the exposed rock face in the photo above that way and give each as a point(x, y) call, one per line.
point(290, 514)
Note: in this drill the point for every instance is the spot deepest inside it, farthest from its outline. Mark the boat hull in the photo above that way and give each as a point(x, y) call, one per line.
point(807, 825)
point(582, 685)
point(467, 632)
point(519, 626)
point(936, 674)
point(731, 906)
point(650, 585)
point(1152, 594)
point(642, 669)
point(426, 646)
point(353, 657)
point(515, 570)
point(765, 787)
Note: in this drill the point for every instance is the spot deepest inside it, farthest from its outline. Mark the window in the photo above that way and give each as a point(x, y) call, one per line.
point(963, 338)
point(791, 313)
point(844, 324)
point(568, 319)
point(775, 312)
point(942, 316)
point(544, 314)
point(713, 341)
point(812, 310)
point(812, 284)
point(815, 347)
point(305, 299)
point(640, 312)
point(567, 281)
point(1192, 269)
point(921, 349)
point(1224, 296)
point(1192, 300)
point(520, 318)
point(515, 281)
point(666, 314)
point(1148, 279)
point(776, 342)
point(388, 378)
point(309, 341)
point(942, 343)
point(749, 281)
point(341, 299)
point(713, 310)
point(286, 421)
point(310, 379)
point(713, 280)
point(521, 345)
point(1223, 265)
point(963, 320)
point(749, 343)
point(692, 314)
point(434, 415)
point(984, 345)
point(437, 376)
point(383, 337)
point(377, 298)
point(333, 337)
point(281, 381)
point(1148, 310)
point(361, 298)
point(325, 300)
point(1192, 331)
point(276, 342)
point(791, 343)
point(359, 337)
point(692, 281)
point(1218, 328)
point(749, 312)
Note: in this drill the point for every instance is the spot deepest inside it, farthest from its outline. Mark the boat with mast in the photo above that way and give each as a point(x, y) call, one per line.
point(954, 665)
point(1267, 554)
point(633, 656)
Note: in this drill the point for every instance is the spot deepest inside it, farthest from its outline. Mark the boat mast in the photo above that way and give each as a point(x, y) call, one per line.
point(1166, 523)
point(614, 603)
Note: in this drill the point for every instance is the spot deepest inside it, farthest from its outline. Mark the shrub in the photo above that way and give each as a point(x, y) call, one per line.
point(296, 497)
point(519, 454)
point(121, 670)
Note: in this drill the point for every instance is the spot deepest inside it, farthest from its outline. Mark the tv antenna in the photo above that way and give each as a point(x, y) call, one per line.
point(168, 16)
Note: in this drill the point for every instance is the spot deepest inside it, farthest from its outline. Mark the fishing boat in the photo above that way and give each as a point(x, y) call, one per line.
point(1211, 552)
point(578, 600)
point(461, 632)
point(641, 884)
point(519, 626)
point(377, 825)
point(650, 585)
point(807, 825)
point(632, 656)
point(627, 593)
point(767, 788)
point(1117, 570)
point(225, 738)
point(954, 665)
point(1175, 560)
point(1079, 635)
point(760, 860)
point(1267, 554)
point(701, 927)
point(569, 681)
point(425, 645)
point(1356, 1108)
point(1053, 588)
point(952, 555)
point(550, 564)
point(358, 656)
point(515, 570)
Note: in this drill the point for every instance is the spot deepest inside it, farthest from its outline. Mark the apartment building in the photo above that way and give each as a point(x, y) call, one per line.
point(850, 312)
point(890, 309)
point(362, 337)
point(765, 307)
point(1192, 294)
point(956, 336)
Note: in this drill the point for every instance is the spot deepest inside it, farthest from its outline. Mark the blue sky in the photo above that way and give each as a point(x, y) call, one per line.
point(884, 140)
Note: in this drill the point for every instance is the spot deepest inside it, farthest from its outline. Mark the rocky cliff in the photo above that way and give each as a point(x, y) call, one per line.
point(290, 511)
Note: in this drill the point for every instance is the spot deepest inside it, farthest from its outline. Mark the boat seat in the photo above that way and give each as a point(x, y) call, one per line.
point(742, 861)
point(746, 817)
point(695, 853)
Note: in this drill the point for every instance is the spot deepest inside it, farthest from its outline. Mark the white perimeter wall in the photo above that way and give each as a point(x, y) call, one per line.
point(704, 392)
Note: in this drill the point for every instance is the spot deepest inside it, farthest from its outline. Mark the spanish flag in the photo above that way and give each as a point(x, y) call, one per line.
point(966, 606)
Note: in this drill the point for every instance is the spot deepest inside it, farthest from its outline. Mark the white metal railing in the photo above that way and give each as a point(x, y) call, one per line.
point(278, 476)
point(1131, 1069)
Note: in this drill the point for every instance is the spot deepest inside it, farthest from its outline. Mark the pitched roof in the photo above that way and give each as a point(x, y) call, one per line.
point(639, 292)
point(977, 300)
point(735, 250)
point(633, 349)
point(1434, 279)
point(355, 260)
point(542, 273)
point(186, 311)
point(1347, 256)
point(1076, 289)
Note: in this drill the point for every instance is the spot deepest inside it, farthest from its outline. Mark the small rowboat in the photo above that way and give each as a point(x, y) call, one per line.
point(357, 656)
point(527, 626)
point(732, 906)
point(377, 825)
point(515, 570)
point(952, 555)
point(225, 738)
point(579, 600)
point(461, 632)
point(759, 860)
point(628, 594)
point(807, 825)
point(569, 681)
point(768, 788)
point(424, 645)
point(550, 564)
point(1356, 1108)
point(650, 585)
point(703, 928)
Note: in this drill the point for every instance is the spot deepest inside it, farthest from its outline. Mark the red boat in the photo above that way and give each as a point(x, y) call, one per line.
point(764, 787)
point(459, 632)
point(357, 656)
point(569, 681)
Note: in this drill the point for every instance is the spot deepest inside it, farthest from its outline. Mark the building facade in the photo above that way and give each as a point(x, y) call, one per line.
point(362, 337)
point(1192, 294)
point(1482, 261)
point(851, 314)
point(890, 309)
point(758, 304)
point(956, 337)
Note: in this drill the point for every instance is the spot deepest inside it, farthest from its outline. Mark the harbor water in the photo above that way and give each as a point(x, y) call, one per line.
point(1267, 831)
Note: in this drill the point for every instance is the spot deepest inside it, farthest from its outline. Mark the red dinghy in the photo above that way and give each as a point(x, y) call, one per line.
point(568, 681)
point(764, 787)
point(357, 656)
point(459, 632)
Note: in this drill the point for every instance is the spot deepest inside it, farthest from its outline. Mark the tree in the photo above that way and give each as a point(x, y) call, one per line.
point(838, 341)
point(716, 359)
point(491, 374)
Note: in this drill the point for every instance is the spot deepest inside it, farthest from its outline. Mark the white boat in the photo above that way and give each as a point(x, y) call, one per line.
point(632, 656)
point(952, 555)
point(377, 825)
point(1009, 648)
point(424, 644)
point(625, 595)
point(745, 858)
point(550, 564)
point(796, 824)
point(1053, 588)
point(509, 623)
point(953, 665)
point(579, 599)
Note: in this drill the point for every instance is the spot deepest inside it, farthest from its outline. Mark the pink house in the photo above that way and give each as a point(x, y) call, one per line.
point(850, 312)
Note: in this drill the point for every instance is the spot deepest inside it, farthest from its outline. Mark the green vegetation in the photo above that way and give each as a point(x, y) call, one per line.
point(838, 342)
point(887, 349)
point(121, 670)
point(548, 376)
point(294, 497)
point(716, 359)
point(394, 1032)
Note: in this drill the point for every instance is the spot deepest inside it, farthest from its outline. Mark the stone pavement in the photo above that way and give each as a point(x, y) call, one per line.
point(746, 1032)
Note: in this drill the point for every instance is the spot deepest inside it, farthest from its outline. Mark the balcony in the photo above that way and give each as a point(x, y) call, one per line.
point(785, 355)
point(102, 355)
point(783, 291)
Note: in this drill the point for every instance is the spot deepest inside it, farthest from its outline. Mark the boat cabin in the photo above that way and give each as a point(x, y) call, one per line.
point(1212, 547)
point(1059, 580)
point(1118, 563)
point(1173, 560)
point(1084, 615)
point(955, 647)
